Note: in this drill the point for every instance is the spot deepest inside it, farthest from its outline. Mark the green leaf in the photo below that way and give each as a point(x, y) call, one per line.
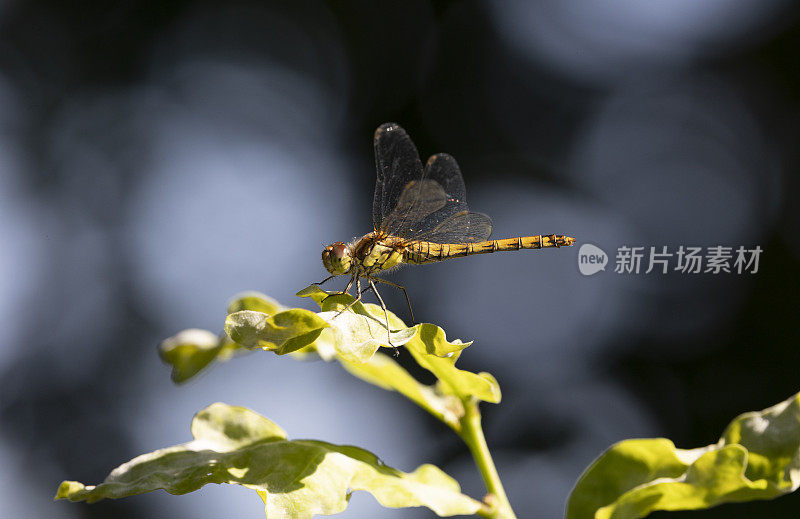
point(451, 380)
point(315, 293)
point(254, 301)
point(189, 351)
point(431, 337)
point(296, 479)
point(428, 345)
point(282, 333)
point(337, 301)
point(323, 347)
point(359, 329)
point(758, 457)
point(384, 372)
point(435, 341)
point(357, 337)
point(353, 330)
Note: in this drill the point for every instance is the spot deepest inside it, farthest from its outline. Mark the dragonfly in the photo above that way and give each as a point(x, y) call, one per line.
point(419, 215)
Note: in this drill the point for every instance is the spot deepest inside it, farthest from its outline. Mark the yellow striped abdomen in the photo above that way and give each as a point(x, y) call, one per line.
point(426, 252)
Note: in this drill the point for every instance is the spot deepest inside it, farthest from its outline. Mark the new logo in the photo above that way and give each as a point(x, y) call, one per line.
point(591, 259)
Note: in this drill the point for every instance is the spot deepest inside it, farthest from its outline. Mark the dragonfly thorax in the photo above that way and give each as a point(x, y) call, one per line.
point(374, 253)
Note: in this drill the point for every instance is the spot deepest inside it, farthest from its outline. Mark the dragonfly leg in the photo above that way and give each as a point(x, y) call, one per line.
point(386, 314)
point(401, 287)
point(350, 283)
point(353, 278)
point(343, 292)
point(360, 293)
point(346, 291)
point(324, 280)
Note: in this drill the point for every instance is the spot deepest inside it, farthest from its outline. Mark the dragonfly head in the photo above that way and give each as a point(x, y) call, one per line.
point(337, 258)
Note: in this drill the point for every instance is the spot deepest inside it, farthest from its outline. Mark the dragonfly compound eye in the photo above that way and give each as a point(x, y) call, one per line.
point(337, 259)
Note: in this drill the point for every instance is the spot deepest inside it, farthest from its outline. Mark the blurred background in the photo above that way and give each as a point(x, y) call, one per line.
point(157, 158)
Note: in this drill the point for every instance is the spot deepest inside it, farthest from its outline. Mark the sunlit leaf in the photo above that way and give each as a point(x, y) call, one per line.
point(189, 351)
point(428, 345)
point(758, 457)
point(192, 350)
point(384, 372)
point(451, 380)
point(336, 301)
point(431, 337)
point(357, 337)
point(315, 293)
point(296, 479)
point(283, 332)
point(359, 329)
point(254, 301)
point(323, 347)
point(435, 341)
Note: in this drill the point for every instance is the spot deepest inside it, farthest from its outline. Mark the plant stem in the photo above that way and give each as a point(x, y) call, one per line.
point(472, 434)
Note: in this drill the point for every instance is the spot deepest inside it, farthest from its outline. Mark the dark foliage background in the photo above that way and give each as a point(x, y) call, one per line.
point(156, 158)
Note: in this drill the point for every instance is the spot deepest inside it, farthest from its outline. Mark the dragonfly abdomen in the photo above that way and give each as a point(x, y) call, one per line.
point(426, 252)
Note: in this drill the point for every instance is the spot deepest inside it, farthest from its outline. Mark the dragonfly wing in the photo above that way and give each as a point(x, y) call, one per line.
point(397, 164)
point(461, 227)
point(444, 169)
point(411, 202)
point(419, 199)
point(439, 195)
